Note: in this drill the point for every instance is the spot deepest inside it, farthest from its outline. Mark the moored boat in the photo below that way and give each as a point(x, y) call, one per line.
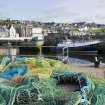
point(80, 45)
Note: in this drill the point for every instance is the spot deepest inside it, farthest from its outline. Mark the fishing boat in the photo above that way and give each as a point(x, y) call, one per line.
point(80, 45)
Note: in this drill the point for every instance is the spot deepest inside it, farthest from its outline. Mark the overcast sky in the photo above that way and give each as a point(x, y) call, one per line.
point(54, 10)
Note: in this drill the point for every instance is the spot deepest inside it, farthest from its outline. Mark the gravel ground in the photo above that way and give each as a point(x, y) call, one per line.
point(89, 69)
point(69, 87)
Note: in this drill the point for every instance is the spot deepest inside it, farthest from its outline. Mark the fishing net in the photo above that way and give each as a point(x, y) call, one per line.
point(38, 92)
point(38, 84)
point(51, 94)
point(6, 94)
point(5, 61)
point(1, 58)
point(23, 94)
point(99, 95)
point(86, 85)
point(35, 92)
point(2, 101)
point(75, 99)
point(26, 95)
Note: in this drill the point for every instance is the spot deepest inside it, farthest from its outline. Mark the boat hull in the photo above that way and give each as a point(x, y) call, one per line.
point(93, 47)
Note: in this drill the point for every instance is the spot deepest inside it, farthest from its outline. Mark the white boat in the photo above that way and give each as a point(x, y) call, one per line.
point(70, 43)
point(80, 45)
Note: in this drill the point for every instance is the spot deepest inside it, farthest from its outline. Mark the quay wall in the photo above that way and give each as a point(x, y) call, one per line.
point(13, 51)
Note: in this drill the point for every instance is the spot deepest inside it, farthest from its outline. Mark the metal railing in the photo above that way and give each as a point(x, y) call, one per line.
point(58, 53)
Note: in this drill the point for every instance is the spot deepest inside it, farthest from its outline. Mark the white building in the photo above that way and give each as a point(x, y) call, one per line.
point(13, 33)
point(37, 33)
point(78, 33)
point(37, 30)
point(84, 28)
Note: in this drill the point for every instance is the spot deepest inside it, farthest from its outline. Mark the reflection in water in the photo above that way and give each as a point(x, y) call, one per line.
point(78, 61)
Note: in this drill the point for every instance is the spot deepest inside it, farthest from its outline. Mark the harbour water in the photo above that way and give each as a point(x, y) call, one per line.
point(78, 61)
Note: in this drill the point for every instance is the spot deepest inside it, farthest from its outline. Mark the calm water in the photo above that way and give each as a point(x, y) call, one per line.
point(78, 61)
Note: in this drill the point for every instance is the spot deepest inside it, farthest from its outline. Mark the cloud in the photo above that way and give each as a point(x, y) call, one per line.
point(71, 10)
point(58, 14)
point(61, 11)
point(100, 4)
point(100, 18)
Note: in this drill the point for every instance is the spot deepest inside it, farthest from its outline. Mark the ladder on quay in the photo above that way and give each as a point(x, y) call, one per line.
point(65, 55)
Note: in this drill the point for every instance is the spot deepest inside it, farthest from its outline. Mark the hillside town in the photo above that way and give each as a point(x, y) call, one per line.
point(80, 29)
